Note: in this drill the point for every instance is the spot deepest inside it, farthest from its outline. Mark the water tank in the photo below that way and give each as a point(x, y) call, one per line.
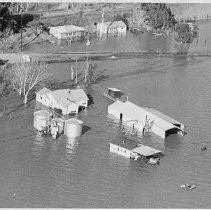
point(41, 119)
point(73, 128)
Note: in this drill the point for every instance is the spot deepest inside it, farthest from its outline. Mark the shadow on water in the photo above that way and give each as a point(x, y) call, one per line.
point(71, 147)
point(85, 129)
point(91, 100)
point(173, 142)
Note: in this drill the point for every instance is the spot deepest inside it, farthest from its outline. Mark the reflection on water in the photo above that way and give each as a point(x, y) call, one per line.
point(71, 147)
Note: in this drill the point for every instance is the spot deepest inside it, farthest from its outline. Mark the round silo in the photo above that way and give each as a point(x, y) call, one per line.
point(73, 128)
point(41, 119)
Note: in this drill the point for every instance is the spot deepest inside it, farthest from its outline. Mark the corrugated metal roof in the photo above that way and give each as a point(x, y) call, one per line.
point(44, 91)
point(68, 28)
point(145, 151)
point(163, 116)
point(138, 113)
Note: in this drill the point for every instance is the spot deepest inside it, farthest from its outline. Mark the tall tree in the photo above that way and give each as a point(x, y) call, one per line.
point(27, 76)
point(158, 15)
point(184, 33)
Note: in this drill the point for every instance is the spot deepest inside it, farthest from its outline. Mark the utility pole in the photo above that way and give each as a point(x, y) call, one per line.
point(87, 68)
point(76, 69)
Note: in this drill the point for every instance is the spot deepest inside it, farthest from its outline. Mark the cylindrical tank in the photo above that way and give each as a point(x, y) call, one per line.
point(73, 128)
point(41, 119)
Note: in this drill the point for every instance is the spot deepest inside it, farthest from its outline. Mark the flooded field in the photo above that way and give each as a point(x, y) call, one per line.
point(76, 173)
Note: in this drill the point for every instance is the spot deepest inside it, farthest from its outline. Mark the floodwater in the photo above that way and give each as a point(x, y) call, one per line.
point(82, 173)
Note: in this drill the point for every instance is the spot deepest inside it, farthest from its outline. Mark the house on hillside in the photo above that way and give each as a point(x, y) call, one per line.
point(67, 31)
point(116, 27)
point(66, 100)
point(144, 119)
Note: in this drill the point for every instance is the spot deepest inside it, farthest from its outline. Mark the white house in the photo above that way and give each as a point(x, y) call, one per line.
point(68, 101)
point(67, 31)
point(116, 27)
point(141, 118)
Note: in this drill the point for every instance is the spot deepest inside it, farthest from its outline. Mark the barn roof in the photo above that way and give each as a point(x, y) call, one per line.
point(68, 28)
point(134, 112)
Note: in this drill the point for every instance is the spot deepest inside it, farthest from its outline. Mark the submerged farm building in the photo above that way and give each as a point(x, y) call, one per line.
point(67, 31)
point(142, 118)
point(131, 149)
point(116, 27)
point(66, 100)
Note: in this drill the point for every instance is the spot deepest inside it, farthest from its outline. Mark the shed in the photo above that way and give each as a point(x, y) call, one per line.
point(131, 149)
point(67, 31)
point(157, 123)
point(116, 27)
point(145, 151)
point(123, 148)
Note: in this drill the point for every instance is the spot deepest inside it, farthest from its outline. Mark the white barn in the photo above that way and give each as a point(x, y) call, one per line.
point(67, 31)
point(138, 117)
point(116, 27)
point(66, 100)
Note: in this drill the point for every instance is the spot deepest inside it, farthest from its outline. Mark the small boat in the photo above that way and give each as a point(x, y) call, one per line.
point(114, 94)
point(88, 43)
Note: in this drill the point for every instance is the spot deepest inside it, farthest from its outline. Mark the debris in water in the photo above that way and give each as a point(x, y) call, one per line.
point(203, 147)
point(188, 186)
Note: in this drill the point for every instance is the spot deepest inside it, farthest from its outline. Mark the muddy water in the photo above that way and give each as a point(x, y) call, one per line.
point(41, 172)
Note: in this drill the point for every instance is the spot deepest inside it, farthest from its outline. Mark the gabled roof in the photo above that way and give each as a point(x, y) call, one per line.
point(66, 97)
point(44, 91)
point(118, 24)
point(161, 115)
point(138, 113)
point(68, 28)
point(115, 24)
point(78, 95)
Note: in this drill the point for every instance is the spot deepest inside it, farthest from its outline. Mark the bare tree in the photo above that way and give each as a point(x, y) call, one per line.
point(27, 76)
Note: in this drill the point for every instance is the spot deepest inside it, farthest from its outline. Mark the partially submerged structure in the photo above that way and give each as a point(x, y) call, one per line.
point(131, 149)
point(67, 31)
point(110, 28)
point(114, 94)
point(144, 119)
point(66, 100)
